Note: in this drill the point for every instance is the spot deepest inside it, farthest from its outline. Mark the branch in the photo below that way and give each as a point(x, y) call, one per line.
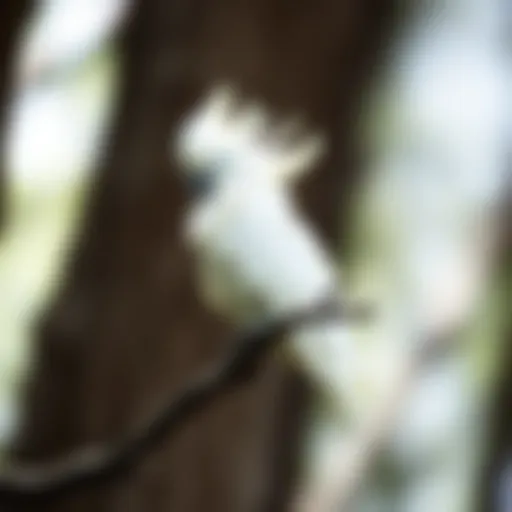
point(101, 464)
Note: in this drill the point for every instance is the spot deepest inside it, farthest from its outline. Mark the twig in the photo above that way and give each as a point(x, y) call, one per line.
point(102, 464)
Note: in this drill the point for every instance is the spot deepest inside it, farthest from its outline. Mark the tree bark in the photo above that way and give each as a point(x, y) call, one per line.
point(126, 327)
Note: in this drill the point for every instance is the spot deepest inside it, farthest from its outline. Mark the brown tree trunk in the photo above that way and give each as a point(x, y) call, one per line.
point(12, 14)
point(126, 327)
point(498, 448)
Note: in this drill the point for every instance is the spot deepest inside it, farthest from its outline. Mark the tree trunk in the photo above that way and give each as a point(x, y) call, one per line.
point(498, 446)
point(126, 327)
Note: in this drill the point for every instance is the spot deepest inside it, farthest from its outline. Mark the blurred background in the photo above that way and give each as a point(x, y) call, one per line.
point(98, 315)
point(61, 101)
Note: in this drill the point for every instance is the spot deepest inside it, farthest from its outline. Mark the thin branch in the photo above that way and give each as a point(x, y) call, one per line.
point(102, 464)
